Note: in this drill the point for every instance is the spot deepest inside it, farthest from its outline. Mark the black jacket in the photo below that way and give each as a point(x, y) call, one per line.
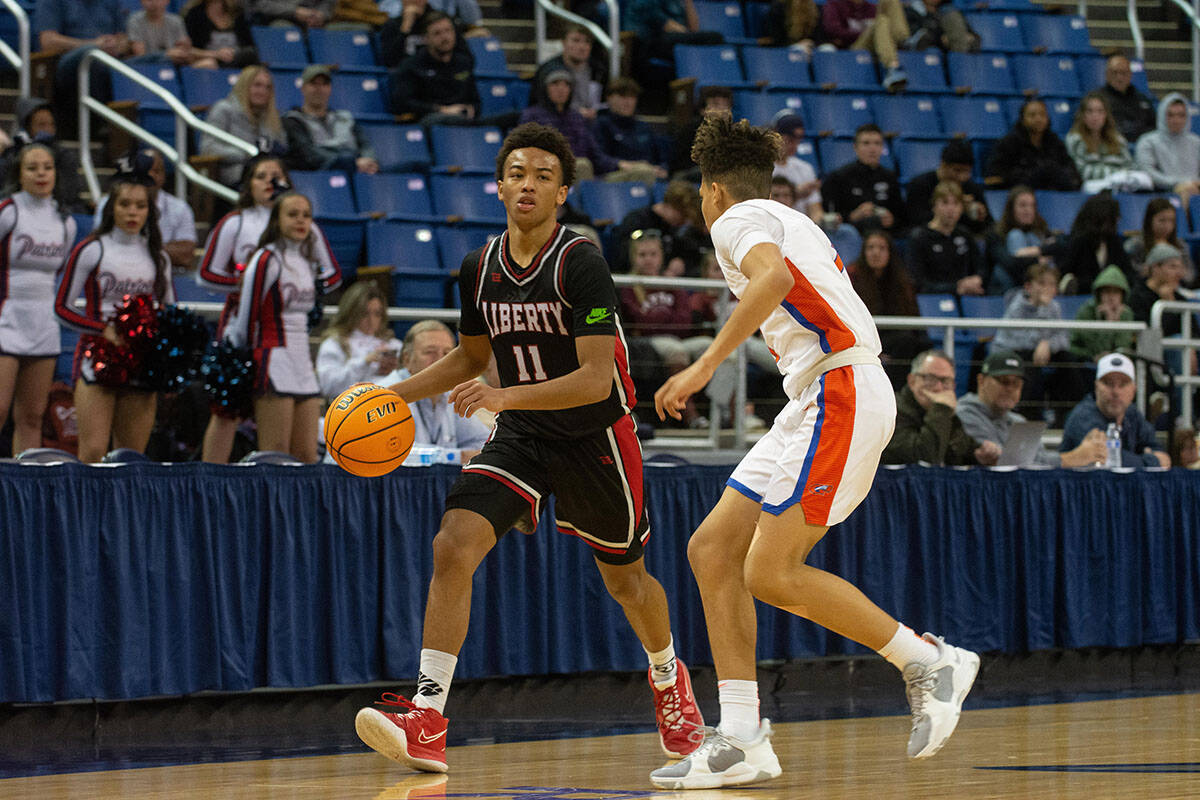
point(422, 83)
point(1133, 112)
point(1016, 161)
point(851, 185)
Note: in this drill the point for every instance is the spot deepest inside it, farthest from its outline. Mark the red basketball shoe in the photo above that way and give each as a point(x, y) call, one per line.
point(678, 716)
point(416, 737)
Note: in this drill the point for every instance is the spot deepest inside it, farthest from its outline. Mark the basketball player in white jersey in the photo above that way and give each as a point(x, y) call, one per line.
point(808, 472)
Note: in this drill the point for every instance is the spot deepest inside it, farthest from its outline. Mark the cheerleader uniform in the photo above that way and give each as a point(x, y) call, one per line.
point(35, 239)
point(231, 243)
point(278, 291)
point(105, 269)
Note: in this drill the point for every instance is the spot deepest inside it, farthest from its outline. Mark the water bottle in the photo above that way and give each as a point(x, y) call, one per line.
point(1112, 442)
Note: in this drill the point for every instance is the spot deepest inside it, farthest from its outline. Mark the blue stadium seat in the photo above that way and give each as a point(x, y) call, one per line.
point(1062, 114)
point(1133, 212)
point(976, 117)
point(711, 65)
point(926, 70)
point(604, 201)
point(756, 19)
point(420, 288)
point(399, 148)
point(456, 241)
point(328, 190)
point(83, 226)
point(766, 105)
point(944, 306)
point(778, 67)
point(287, 89)
point(345, 237)
point(1052, 33)
point(394, 194)
point(490, 60)
point(845, 70)
point(725, 18)
point(501, 96)
point(464, 148)
point(351, 51)
point(989, 306)
point(999, 32)
point(363, 95)
point(995, 199)
point(837, 114)
point(203, 87)
point(1059, 208)
point(472, 197)
point(915, 156)
point(1049, 75)
point(410, 245)
point(981, 73)
point(1090, 67)
point(280, 48)
point(163, 74)
point(1071, 303)
point(837, 152)
point(806, 151)
point(908, 115)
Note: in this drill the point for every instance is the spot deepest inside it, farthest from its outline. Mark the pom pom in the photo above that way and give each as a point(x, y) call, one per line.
point(137, 323)
point(228, 373)
point(112, 365)
point(174, 357)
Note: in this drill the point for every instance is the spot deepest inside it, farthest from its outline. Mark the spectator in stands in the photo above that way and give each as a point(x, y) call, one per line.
point(249, 113)
point(956, 165)
point(1159, 226)
point(942, 255)
point(798, 172)
point(72, 27)
point(989, 416)
point(319, 138)
point(659, 25)
point(937, 23)
point(1032, 154)
point(437, 85)
point(305, 13)
point(466, 14)
point(36, 236)
point(1106, 304)
point(156, 35)
point(1133, 111)
point(927, 428)
point(590, 75)
point(879, 28)
point(621, 135)
point(122, 256)
point(678, 218)
point(175, 220)
point(883, 283)
point(1100, 152)
point(1185, 450)
point(1164, 275)
point(219, 29)
point(36, 123)
point(1094, 243)
point(436, 423)
point(358, 345)
point(794, 23)
point(1041, 347)
point(403, 35)
point(866, 194)
point(713, 100)
point(1113, 403)
point(1018, 239)
point(1171, 154)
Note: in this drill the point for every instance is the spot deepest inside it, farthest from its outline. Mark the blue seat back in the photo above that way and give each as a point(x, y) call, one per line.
point(1059, 208)
point(1001, 32)
point(344, 48)
point(393, 193)
point(926, 70)
point(783, 67)
point(981, 73)
point(165, 75)
point(287, 89)
point(470, 148)
point(472, 197)
point(203, 87)
point(399, 147)
point(489, 55)
point(455, 241)
point(908, 115)
point(280, 45)
point(602, 200)
point(976, 117)
point(935, 306)
point(709, 64)
point(408, 245)
point(1049, 75)
point(838, 114)
point(724, 18)
point(328, 190)
point(1056, 33)
point(360, 94)
point(914, 156)
point(851, 69)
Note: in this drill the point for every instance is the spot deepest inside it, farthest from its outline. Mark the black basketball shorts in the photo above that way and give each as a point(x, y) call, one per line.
point(596, 481)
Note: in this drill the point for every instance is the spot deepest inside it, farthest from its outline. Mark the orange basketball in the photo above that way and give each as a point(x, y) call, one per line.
point(369, 430)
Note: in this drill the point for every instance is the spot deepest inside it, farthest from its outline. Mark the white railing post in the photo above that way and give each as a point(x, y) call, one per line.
point(611, 39)
point(19, 59)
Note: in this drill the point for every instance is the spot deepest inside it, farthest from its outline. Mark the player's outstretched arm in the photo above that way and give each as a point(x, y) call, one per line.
point(465, 362)
point(769, 283)
point(591, 382)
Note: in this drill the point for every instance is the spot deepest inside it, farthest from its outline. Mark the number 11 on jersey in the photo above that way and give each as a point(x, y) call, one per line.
point(535, 358)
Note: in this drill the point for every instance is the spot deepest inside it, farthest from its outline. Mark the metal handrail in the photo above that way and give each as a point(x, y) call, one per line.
point(184, 119)
point(1190, 13)
point(1185, 343)
point(1135, 28)
point(19, 59)
point(611, 39)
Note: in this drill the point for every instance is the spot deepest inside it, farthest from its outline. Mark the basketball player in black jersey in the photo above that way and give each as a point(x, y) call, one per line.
point(541, 300)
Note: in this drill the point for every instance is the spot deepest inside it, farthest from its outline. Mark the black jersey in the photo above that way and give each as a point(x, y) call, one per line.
point(532, 316)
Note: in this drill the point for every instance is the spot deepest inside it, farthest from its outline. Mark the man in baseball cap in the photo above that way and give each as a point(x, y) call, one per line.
point(1113, 405)
point(989, 416)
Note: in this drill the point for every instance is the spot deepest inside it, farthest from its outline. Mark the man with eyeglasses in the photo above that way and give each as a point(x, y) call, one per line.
point(927, 428)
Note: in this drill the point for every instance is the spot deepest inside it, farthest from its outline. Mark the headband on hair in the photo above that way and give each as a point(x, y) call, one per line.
point(135, 168)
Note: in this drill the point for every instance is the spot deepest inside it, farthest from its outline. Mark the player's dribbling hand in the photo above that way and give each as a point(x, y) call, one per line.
point(471, 396)
point(672, 396)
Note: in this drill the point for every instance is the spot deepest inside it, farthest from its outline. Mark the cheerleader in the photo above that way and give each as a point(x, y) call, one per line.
point(278, 291)
point(124, 255)
point(227, 251)
point(35, 238)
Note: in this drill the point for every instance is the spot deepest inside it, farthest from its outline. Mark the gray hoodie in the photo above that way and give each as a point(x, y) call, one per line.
point(1169, 158)
point(228, 115)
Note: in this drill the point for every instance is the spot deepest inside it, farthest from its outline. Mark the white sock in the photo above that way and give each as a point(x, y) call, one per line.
point(739, 709)
point(662, 666)
point(433, 679)
point(906, 648)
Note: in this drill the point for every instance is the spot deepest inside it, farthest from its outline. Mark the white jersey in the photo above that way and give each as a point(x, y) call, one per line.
point(35, 239)
point(822, 313)
point(104, 270)
point(235, 237)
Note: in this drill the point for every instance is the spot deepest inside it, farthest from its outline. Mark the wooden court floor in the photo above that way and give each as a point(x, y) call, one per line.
point(1147, 747)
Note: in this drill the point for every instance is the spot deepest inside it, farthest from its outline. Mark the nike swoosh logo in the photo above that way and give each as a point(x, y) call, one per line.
point(423, 739)
point(597, 315)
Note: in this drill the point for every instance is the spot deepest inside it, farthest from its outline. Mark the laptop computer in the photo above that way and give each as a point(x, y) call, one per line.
point(1024, 441)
